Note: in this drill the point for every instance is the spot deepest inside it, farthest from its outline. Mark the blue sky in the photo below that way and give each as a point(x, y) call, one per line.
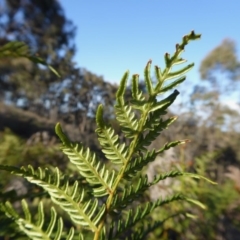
point(119, 35)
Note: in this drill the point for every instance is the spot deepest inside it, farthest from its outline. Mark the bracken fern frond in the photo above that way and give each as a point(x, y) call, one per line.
point(107, 206)
point(35, 230)
point(69, 198)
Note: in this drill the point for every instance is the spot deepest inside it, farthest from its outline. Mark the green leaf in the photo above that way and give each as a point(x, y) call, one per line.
point(158, 75)
point(111, 147)
point(33, 230)
point(137, 163)
point(168, 60)
point(135, 87)
point(180, 72)
point(192, 175)
point(133, 217)
point(99, 116)
point(69, 198)
point(172, 144)
point(179, 61)
point(122, 88)
point(127, 119)
point(61, 135)
point(172, 85)
point(165, 103)
point(88, 164)
point(155, 130)
point(196, 202)
point(147, 78)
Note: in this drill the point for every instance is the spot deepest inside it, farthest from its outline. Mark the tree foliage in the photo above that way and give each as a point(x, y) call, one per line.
point(223, 58)
point(43, 26)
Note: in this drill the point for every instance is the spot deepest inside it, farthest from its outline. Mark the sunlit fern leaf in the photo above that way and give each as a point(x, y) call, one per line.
point(139, 104)
point(136, 93)
point(88, 164)
point(179, 73)
point(69, 198)
point(127, 120)
point(133, 217)
point(71, 234)
point(124, 112)
point(174, 60)
point(33, 230)
point(91, 168)
point(122, 89)
point(165, 103)
point(159, 77)
point(111, 147)
point(147, 78)
point(7, 226)
point(173, 84)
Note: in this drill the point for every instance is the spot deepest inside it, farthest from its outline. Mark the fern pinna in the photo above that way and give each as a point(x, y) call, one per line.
point(107, 207)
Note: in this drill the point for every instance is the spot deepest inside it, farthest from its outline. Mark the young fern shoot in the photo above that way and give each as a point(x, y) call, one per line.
point(108, 210)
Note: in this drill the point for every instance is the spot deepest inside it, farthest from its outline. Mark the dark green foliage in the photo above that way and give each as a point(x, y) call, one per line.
point(43, 26)
point(223, 58)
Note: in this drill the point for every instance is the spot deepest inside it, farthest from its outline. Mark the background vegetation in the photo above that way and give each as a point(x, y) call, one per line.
point(32, 99)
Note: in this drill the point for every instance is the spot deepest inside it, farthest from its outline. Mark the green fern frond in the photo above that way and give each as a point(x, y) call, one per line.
point(133, 217)
point(124, 112)
point(147, 78)
point(154, 120)
point(123, 199)
point(139, 162)
point(179, 73)
point(88, 165)
point(165, 103)
point(127, 120)
point(173, 84)
point(136, 93)
point(122, 88)
point(111, 147)
point(141, 120)
point(35, 230)
point(174, 60)
point(133, 192)
point(69, 198)
point(171, 145)
point(154, 127)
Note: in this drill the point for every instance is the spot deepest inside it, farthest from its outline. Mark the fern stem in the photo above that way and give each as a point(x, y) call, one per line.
point(121, 173)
